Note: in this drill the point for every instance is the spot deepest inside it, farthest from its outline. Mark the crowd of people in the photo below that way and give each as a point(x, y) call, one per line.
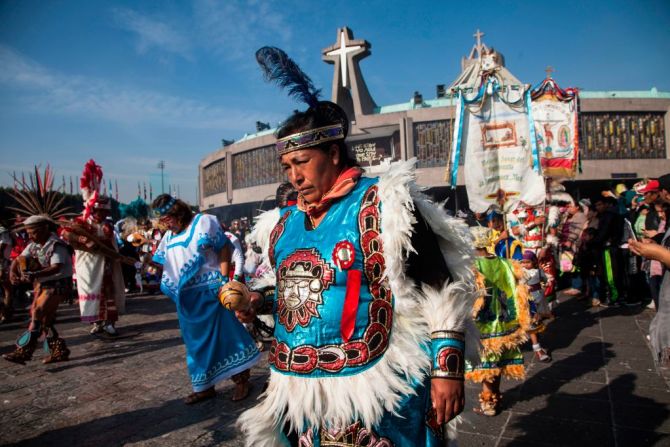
point(584, 243)
point(382, 303)
point(591, 249)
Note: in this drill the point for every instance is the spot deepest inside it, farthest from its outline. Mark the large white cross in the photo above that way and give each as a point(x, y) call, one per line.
point(342, 52)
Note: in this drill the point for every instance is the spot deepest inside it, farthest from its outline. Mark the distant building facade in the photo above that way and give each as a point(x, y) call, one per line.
point(622, 136)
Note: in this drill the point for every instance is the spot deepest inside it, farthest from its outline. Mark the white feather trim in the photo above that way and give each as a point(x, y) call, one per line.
point(268, 279)
point(260, 235)
point(451, 308)
point(263, 226)
point(337, 401)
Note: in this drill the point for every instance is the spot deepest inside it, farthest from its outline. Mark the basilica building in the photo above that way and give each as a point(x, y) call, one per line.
point(622, 136)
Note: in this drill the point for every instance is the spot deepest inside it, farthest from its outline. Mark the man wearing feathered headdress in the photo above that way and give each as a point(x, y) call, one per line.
point(372, 296)
point(99, 279)
point(47, 265)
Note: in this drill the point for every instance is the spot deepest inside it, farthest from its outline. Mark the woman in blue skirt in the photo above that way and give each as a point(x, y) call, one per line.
point(195, 254)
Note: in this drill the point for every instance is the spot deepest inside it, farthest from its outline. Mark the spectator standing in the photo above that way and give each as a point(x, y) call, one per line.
point(606, 241)
point(571, 233)
point(659, 330)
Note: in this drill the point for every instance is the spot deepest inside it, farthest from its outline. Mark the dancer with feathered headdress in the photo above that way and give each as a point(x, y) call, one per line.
point(45, 263)
point(502, 315)
point(372, 295)
point(99, 279)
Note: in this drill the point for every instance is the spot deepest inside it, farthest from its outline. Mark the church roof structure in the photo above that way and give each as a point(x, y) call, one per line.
point(481, 60)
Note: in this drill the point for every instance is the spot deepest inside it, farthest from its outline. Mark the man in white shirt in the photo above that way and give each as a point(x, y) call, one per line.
point(47, 264)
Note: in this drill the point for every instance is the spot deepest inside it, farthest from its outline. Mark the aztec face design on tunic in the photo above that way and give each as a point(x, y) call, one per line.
point(308, 333)
point(302, 278)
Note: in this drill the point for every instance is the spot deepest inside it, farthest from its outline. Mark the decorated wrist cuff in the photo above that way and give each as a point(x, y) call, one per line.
point(447, 349)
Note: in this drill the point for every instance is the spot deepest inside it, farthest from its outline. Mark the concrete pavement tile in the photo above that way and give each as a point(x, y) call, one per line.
point(626, 351)
point(475, 440)
point(577, 344)
point(619, 323)
point(550, 371)
point(515, 442)
point(565, 406)
point(538, 429)
point(582, 358)
point(648, 379)
point(585, 390)
point(586, 331)
point(483, 425)
point(630, 364)
point(645, 417)
point(631, 342)
point(641, 438)
point(640, 395)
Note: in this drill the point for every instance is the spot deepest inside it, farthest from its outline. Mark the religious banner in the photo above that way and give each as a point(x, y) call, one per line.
point(556, 129)
point(501, 165)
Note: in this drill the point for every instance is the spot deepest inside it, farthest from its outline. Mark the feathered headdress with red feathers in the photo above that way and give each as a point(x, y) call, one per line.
point(91, 179)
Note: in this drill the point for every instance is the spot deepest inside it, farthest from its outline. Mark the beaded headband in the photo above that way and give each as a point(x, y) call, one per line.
point(309, 138)
point(163, 210)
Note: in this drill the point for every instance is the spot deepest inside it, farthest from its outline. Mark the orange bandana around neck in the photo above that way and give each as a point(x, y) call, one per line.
point(344, 183)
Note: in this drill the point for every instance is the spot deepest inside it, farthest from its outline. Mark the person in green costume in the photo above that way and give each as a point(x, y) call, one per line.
point(502, 315)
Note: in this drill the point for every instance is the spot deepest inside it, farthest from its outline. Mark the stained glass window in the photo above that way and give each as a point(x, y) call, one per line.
point(432, 143)
point(256, 167)
point(622, 135)
point(214, 178)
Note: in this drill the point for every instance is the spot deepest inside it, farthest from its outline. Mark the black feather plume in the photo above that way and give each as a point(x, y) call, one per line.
point(279, 68)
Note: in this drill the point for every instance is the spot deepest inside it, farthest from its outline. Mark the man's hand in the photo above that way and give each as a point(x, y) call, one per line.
point(649, 250)
point(448, 398)
point(255, 302)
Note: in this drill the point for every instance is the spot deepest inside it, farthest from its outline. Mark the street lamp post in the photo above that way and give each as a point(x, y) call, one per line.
point(161, 166)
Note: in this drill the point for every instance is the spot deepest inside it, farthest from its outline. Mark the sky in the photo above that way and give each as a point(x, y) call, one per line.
point(130, 83)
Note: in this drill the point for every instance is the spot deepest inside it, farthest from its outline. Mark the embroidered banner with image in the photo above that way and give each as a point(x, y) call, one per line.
point(556, 129)
point(501, 166)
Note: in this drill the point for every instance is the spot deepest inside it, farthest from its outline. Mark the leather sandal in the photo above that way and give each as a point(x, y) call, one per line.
point(200, 396)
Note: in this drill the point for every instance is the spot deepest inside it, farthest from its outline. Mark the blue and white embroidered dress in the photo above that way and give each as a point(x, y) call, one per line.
point(217, 345)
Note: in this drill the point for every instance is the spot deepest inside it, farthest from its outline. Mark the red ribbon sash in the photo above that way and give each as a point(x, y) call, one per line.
point(350, 304)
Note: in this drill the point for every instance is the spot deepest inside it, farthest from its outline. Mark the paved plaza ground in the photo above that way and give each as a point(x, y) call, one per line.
point(602, 389)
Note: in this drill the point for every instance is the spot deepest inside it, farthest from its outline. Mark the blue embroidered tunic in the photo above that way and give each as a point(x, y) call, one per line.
point(217, 345)
point(309, 301)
